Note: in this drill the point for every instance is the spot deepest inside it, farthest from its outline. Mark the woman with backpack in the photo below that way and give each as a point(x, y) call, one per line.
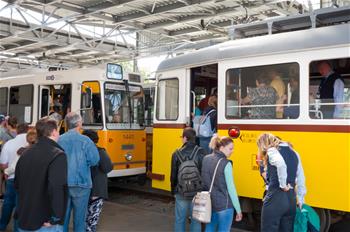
point(224, 197)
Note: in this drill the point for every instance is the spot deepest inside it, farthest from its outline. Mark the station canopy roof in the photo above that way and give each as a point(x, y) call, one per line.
point(87, 32)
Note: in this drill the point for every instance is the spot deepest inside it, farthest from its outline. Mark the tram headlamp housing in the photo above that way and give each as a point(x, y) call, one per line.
point(234, 132)
point(128, 157)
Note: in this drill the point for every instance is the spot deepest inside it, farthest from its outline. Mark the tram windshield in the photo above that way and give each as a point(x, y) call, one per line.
point(124, 106)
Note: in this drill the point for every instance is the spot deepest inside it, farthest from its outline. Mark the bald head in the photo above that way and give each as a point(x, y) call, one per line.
point(324, 68)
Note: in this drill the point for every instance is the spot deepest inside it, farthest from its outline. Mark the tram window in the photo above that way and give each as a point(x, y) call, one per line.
point(168, 99)
point(21, 100)
point(329, 90)
point(3, 101)
point(124, 106)
point(149, 105)
point(263, 92)
point(92, 115)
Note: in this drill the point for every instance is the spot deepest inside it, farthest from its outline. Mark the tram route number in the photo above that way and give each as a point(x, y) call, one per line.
point(128, 136)
point(248, 137)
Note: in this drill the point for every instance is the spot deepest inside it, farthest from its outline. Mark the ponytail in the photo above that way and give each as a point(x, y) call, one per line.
point(216, 142)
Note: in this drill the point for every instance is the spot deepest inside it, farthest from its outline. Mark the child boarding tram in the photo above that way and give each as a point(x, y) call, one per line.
point(110, 102)
point(289, 62)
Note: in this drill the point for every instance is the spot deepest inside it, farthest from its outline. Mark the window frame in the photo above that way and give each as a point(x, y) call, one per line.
point(6, 99)
point(32, 99)
point(226, 117)
point(308, 87)
point(104, 109)
point(94, 126)
point(178, 100)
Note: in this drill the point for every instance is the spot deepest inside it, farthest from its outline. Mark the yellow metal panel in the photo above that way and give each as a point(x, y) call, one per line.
point(113, 141)
point(94, 86)
point(325, 157)
point(165, 141)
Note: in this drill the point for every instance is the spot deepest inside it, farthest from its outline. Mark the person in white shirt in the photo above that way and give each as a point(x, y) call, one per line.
point(9, 155)
point(31, 139)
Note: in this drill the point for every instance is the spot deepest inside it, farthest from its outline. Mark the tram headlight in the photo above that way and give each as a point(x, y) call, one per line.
point(128, 157)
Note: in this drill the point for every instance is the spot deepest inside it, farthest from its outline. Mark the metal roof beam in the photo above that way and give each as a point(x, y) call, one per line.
point(161, 10)
point(191, 18)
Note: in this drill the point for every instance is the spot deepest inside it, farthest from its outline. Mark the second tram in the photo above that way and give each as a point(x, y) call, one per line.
point(109, 101)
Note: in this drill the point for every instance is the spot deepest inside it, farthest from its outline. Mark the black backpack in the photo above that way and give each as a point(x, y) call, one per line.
point(189, 180)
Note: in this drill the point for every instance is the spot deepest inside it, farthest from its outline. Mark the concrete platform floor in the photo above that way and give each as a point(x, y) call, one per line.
point(117, 217)
point(123, 218)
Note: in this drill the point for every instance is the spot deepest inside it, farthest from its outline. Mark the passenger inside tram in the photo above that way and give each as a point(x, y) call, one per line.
point(117, 117)
point(330, 89)
point(292, 109)
point(278, 84)
point(262, 97)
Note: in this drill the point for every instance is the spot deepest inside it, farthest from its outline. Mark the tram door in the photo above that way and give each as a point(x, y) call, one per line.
point(170, 118)
point(204, 82)
point(44, 101)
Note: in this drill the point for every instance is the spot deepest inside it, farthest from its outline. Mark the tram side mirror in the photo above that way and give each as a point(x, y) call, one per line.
point(86, 98)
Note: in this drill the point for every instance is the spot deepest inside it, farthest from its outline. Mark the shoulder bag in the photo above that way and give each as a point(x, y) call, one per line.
point(202, 202)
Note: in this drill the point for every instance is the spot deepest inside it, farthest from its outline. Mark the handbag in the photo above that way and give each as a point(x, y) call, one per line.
point(201, 210)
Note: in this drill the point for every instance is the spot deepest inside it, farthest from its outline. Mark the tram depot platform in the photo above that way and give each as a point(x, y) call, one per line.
point(118, 217)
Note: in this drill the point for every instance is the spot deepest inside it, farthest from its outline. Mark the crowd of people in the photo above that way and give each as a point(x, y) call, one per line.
point(48, 175)
point(280, 167)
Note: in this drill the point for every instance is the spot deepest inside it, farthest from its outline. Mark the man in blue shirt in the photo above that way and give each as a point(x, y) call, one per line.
point(81, 155)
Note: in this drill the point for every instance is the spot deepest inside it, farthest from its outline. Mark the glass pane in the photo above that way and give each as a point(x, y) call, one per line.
point(168, 99)
point(21, 98)
point(44, 102)
point(149, 105)
point(91, 116)
point(137, 96)
point(330, 89)
point(3, 101)
point(124, 109)
point(114, 71)
point(263, 92)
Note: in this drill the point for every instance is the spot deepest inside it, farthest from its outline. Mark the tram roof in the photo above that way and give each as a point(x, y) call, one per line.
point(268, 44)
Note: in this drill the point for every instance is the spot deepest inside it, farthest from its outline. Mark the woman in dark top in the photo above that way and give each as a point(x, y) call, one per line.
point(99, 191)
point(223, 195)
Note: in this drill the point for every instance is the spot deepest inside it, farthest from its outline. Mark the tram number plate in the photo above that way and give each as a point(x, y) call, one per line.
point(128, 136)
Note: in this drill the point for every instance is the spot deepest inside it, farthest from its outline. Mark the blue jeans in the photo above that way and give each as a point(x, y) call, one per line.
point(8, 205)
point(55, 228)
point(183, 209)
point(78, 199)
point(221, 220)
point(204, 143)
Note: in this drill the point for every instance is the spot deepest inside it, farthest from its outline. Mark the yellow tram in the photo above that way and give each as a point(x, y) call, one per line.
point(109, 101)
point(231, 67)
